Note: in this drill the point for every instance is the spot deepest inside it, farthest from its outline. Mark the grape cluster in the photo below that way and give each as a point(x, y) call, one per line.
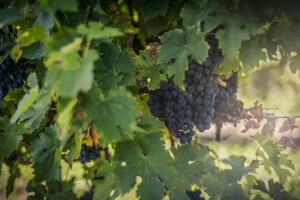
point(183, 109)
point(227, 107)
point(201, 82)
point(194, 195)
point(173, 104)
point(88, 153)
point(11, 74)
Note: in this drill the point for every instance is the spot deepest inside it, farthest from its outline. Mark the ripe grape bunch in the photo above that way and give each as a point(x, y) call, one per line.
point(11, 74)
point(88, 153)
point(171, 103)
point(181, 108)
point(227, 107)
point(201, 83)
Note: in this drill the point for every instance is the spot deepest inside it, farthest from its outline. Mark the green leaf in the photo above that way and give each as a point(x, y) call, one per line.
point(179, 45)
point(14, 172)
point(28, 99)
point(34, 51)
point(10, 136)
point(47, 21)
point(251, 53)
point(53, 5)
point(147, 68)
point(32, 117)
point(32, 80)
point(157, 25)
point(46, 154)
point(9, 15)
point(65, 113)
point(217, 186)
point(30, 36)
point(14, 95)
point(25, 103)
point(191, 12)
point(97, 30)
point(51, 190)
point(68, 76)
point(152, 9)
point(189, 163)
point(275, 191)
point(238, 167)
point(152, 166)
point(150, 123)
point(273, 158)
point(230, 40)
point(113, 114)
point(228, 65)
point(113, 67)
point(74, 147)
point(109, 182)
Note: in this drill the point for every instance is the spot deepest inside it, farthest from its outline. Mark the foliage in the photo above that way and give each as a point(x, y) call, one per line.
point(94, 60)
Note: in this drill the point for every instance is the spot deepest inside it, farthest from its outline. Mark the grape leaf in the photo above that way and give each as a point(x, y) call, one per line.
point(34, 51)
point(217, 185)
point(32, 117)
point(33, 106)
point(251, 53)
point(190, 12)
point(238, 167)
point(46, 154)
point(57, 42)
point(230, 40)
point(28, 99)
point(271, 155)
point(189, 163)
point(46, 20)
point(26, 38)
point(179, 45)
point(9, 15)
point(152, 167)
point(51, 190)
point(275, 191)
point(113, 114)
point(10, 136)
point(14, 95)
point(147, 68)
point(108, 182)
point(156, 26)
point(67, 75)
point(150, 123)
point(53, 5)
point(65, 113)
point(228, 65)
point(97, 30)
point(25, 103)
point(113, 67)
point(74, 147)
point(152, 9)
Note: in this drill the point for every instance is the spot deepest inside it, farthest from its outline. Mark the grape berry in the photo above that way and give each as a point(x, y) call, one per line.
point(88, 153)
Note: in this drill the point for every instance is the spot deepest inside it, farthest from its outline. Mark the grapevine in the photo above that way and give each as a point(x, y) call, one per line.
point(120, 99)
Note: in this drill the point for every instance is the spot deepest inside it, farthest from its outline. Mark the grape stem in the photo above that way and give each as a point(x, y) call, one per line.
point(218, 131)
